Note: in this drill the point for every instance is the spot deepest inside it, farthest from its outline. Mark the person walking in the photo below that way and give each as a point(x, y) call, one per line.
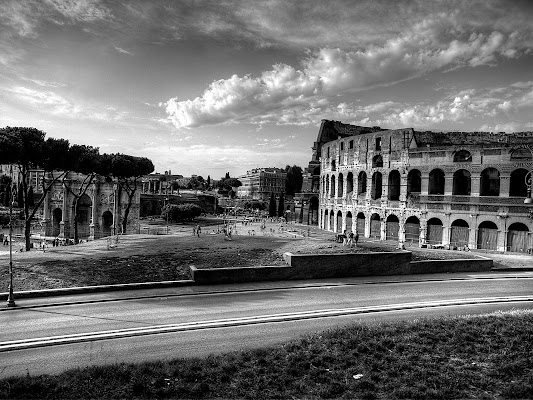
point(198, 230)
point(356, 238)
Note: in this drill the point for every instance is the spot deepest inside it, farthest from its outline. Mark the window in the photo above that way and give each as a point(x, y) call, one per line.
point(342, 146)
point(351, 144)
point(378, 144)
point(328, 152)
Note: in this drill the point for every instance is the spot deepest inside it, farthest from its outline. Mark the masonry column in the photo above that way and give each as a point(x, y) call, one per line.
point(423, 231)
point(93, 213)
point(472, 238)
point(47, 229)
point(448, 184)
point(403, 187)
point(424, 182)
point(505, 185)
point(475, 181)
point(367, 225)
point(63, 225)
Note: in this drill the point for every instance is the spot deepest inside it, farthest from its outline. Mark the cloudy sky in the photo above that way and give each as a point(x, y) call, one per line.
point(209, 87)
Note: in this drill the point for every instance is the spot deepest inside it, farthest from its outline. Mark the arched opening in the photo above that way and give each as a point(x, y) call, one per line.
point(518, 238)
point(394, 185)
point(341, 185)
point(333, 165)
point(331, 221)
point(376, 185)
point(361, 185)
point(487, 237)
point(325, 221)
point(339, 222)
point(312, 218)
point(333, 194)
point(377, 161)
point(414, 181)
point(57, 217)
point(412, 230)
point(460, 233)
point(434, 231)
point(83, 218)
point(461, 183)
point(518, 186)
point(375, 226)
point(349, 184)
point(107, 223)
point(490, 182)
point(392, 227)
point(521, 154)
point(436, 181)
point(348, 222)
point(462, 156)
point(361, 224)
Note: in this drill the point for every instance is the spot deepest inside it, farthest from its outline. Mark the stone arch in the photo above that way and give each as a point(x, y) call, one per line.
point(57, 217)
point(349, 223)
point(377, 185)
point(434, 231)
point(412, 229)
point(332, 189)
point(325, 220)
point(83, 216)
point(349, 184)
point(461, 183)
point(414, 181)
point(521, 154)
point(375, 226)
point(361, 184)
point(340, 182)
point(377, 161)
point(462, 156)
point(392, 227)
point(519, 238)
point(487, 236)
point(490, 182)
point(436, 181)
point(394, 185)
point(460, 233)
point(107, 223)
point(339, 221)
point(517, 184)
point(312, 217)
point(360, 225)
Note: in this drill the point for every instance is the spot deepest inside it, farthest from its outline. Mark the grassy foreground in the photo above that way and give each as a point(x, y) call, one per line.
point(488, 357)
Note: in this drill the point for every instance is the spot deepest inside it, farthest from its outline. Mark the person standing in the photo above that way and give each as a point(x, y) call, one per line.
point(356, 238)
point(198, 230)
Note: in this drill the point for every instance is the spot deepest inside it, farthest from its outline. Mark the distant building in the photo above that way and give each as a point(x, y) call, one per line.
point(259, 183)
point(157, 183)
point(450, 189)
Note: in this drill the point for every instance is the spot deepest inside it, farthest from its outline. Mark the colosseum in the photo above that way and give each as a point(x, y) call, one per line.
point(459, 190)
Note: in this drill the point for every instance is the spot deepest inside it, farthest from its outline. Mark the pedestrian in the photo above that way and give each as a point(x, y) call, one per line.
point(198, 230)
point(356, 238)
point(350, 238)
point(344, 238)
point(194, 230)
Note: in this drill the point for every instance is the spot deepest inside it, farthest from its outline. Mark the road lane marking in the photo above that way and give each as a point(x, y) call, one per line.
point(232, 322)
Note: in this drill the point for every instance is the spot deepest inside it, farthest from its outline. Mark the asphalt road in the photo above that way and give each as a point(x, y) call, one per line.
point(174, 323)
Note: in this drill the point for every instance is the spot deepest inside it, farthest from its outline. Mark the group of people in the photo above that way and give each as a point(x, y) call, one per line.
point(349, 239)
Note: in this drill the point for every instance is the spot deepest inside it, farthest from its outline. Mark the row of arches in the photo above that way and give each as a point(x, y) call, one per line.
point(486, 233)
point(489, 183)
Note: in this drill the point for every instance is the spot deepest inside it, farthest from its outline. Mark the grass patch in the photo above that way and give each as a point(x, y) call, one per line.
point(488, 357)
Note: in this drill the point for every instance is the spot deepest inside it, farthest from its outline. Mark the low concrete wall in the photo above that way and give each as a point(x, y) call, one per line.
point(478, 264)
point(310, 266)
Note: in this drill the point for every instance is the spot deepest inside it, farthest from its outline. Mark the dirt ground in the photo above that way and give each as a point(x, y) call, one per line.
point(148, 258)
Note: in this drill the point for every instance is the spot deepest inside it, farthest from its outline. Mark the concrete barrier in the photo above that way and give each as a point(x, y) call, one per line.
point(478, 264)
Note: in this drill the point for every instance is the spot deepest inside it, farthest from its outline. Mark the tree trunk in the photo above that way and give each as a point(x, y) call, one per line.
point(27, 233)
point(76, 220)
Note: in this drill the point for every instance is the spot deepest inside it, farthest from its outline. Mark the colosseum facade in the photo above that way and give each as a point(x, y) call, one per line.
point(464, 190)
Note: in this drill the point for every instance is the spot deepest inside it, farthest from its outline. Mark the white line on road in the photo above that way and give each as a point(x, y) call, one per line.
point(232, 322)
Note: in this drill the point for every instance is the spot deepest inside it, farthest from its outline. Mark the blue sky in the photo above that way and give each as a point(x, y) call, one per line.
point(209, 87)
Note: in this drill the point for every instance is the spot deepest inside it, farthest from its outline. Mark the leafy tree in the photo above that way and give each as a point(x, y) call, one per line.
point(227, 175)
point(5, 190)
point(294, 180)
point(196, 183)
point(180, 212)
point(281, 205)
point(272, 205)
point(208, 183)
point(232, 182)
point(128, 170)
point(28, 149)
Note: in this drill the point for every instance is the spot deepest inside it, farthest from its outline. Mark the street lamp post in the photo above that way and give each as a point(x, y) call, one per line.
point(529, 182)
point(11, 297)
point(168, 211)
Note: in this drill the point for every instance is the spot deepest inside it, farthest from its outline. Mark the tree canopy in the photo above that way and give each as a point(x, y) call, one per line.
point(294, 181)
